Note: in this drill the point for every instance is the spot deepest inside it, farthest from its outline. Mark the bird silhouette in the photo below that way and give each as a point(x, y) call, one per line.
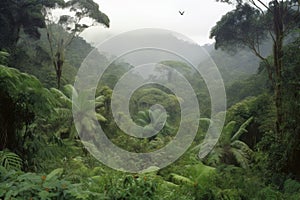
point(181, 12)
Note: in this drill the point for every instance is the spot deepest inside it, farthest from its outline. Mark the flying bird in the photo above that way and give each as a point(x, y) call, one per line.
point(181, 12)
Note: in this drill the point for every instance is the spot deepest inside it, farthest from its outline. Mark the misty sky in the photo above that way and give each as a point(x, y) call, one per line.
point(125, 15)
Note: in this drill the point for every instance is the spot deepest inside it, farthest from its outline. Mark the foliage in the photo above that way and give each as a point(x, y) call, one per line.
point(146, 97)
point(19, 185)
point(252, 86)
point(260, 107)
point(230, 149)
point(10, 160)
point(25, 107)
point(25, 15)
point(37, 131)
point(282, 155)
point(72, 25)
point(4, 57)
point(291, 189)
point(24, 98)
point(292, 105)
point(33, 57)
point(237, 183)
point(132, 187)
point(242, 27)
point(153, 120)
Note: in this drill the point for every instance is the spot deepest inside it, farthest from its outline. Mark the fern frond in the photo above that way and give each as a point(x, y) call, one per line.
point(207, 120)
point(242, 146)
point(10, 160)
point(242, 129)
point(241, 158)
point(100, 117)
point(69, 90)
point(179, 180)
point(214, 158)
point(227, 132)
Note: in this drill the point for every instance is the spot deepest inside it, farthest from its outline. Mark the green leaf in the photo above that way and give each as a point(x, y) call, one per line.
point(55, 173)
point(100, 117)
point(179, 180)
point(227, 132)
point(10, 160)
point(242, 129)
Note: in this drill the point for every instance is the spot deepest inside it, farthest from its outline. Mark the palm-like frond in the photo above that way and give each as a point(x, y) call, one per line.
point(17, 84)
point(157, 119)
point(65, 101)
point(69, 91)
point(10, 160)
point(227, 132)
point(243, 147)
point(143, 118)
point(241, 157)
point(242, 129)
point(100, 117)
point(99, 101)
point(207, 120)
point(142, 122)
point(179, 180)
point(214, 158)
point(4, 57)
point(230, 145)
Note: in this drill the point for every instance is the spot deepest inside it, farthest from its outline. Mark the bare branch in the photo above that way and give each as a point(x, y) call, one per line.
point(259, 8)
point(264, 5)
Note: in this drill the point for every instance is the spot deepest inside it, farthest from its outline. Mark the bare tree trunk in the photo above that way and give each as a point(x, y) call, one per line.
point(278, 64)
point(59, 65)
point(58, 76)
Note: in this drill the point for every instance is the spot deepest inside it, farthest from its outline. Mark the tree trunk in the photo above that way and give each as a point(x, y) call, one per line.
point(59, 66)
point(278, 65)
point(58, 74)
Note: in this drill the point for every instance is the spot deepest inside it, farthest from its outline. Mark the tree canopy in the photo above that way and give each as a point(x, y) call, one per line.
point(23, 15)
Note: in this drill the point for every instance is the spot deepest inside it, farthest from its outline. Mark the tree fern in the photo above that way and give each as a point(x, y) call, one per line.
point(66, 101)
point(229, 146)
point(16, 83)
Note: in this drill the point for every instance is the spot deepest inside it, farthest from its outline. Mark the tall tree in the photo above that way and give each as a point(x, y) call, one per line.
point(78, 16)
point(251, 23)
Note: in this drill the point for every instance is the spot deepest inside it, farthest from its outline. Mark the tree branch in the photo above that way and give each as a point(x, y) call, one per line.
point(264, 5)
point(259, 8)
point(265, 60)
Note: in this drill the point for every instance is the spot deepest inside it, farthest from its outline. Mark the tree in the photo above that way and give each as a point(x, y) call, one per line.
point(62, 121)
point(25, 106)
point(17, 15)
point(248, 25)
point(153, 121)
point(230, 149)
point(81, 14)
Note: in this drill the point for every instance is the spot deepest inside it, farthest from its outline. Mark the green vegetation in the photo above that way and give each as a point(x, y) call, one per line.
point(42, 156)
